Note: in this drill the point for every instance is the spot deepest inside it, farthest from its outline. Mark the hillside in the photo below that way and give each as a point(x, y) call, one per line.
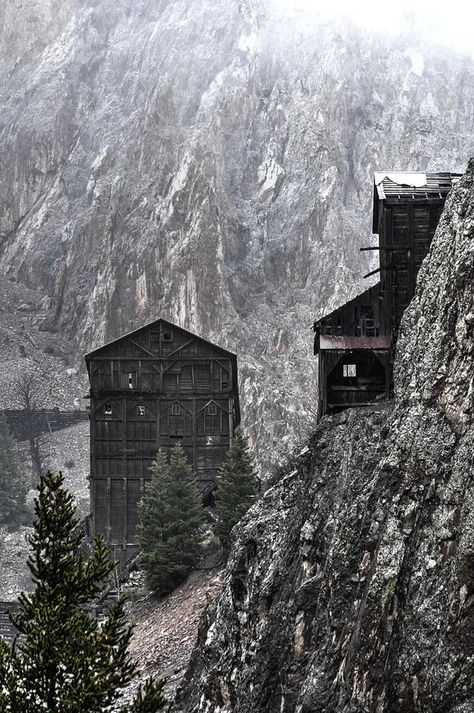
point(350, 584)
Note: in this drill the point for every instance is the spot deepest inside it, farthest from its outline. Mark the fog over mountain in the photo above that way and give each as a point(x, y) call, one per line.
point(210, 162)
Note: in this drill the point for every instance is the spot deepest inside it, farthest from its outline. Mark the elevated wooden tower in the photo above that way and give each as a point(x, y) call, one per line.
point(356, 342)
point(149, 389)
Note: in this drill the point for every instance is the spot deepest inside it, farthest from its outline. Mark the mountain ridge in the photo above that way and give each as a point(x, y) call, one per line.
point(212, 165)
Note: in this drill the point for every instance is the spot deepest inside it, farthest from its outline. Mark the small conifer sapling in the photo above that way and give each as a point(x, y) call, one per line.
point(236, 490)
point(171, 519)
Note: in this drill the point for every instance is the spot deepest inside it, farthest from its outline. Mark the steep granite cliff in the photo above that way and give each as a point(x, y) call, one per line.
point(350, 586)
point(210, 162)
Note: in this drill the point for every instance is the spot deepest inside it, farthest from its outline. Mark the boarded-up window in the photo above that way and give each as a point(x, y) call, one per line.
point(170, 382)
point(202, 377)
point(187, 379)
point(399, 226)
point(421, 222)
point(150, 380)
point(212, 420)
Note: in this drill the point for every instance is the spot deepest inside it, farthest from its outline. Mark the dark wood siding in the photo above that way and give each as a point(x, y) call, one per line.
point(406, 220)
point(149, 390)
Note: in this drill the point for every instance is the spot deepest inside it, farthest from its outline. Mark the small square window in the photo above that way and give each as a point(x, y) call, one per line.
point(141, 410)
point(108, 410)
point(167, 337)
point(349, 370)
point(212, 410)
point(175, 409)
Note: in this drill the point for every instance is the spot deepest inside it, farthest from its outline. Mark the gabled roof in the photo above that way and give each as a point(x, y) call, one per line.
point(154, 323)
point(164, 322)
point(371, 293)
point(409, 186)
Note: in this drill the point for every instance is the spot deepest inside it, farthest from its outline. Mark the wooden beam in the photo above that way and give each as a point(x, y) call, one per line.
point(186, 344)
point(379, 269)
point(143, 349)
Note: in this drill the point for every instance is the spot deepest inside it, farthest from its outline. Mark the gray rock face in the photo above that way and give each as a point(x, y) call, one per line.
point(350, 586)
point(210, 162)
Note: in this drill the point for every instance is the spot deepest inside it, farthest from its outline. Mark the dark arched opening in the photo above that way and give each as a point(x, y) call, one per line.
point(359, 378)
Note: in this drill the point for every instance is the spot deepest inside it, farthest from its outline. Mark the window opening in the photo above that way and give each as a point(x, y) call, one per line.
point(141, 410)
point(349, 370)
point(108, 410)
point(130, 380)
point(212, 409)
point(175, 409)
point(167, 337)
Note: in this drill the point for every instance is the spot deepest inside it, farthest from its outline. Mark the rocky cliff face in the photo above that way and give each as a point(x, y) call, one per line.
point(350, 587)
point(209, 162)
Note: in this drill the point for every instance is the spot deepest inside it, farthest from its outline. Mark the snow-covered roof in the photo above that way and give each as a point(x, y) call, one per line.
point(408, 186)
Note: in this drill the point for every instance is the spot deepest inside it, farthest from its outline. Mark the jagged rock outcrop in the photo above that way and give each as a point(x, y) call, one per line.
point(210, 162)
point(350, 586)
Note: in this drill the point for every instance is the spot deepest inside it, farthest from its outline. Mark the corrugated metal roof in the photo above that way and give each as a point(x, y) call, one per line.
point(344, 343)
point(394, 185)
point(408, 186)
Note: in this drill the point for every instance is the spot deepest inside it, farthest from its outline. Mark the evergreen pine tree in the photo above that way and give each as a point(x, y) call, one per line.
point(13, 484)
point(68, 661)
point(236, 489)
point(171, 515)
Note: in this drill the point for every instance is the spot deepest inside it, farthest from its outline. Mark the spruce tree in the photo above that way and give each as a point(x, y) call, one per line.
point(13, 484)
point(68, 662)
point(236, 489)
point(171, 516)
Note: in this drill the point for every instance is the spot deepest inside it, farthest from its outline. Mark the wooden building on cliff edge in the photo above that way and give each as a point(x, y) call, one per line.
point(356, 342)
point(149, 389)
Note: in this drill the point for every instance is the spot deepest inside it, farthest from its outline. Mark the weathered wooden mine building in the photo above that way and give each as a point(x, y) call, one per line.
point(149, 389)
point(356, 342)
